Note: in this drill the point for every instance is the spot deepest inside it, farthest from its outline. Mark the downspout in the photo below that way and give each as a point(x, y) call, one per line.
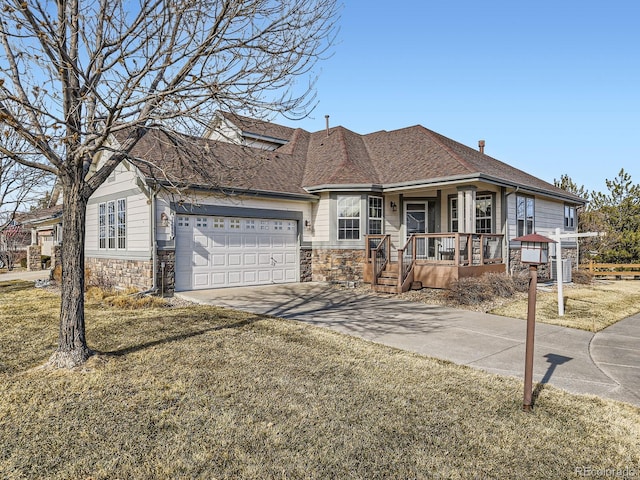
point(154, 242)
point(154, 246)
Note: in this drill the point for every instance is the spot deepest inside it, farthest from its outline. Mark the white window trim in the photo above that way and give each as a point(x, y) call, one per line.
point(109, 221)
point(380, 218)
point(358, 218)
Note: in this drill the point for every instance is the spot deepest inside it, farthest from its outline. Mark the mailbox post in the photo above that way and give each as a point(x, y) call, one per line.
point(534, 251)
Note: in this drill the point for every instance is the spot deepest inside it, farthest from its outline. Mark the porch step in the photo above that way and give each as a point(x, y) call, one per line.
point(385, 289)
point(388, 280)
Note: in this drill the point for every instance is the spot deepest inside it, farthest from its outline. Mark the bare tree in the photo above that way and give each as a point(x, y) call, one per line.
point(75, 73)
point(20, 186)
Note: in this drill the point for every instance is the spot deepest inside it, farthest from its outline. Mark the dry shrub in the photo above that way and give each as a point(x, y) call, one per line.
point(469, 291)
point(521, 281)
point(475, 290)
point(581, 277)
point(56, 274)
point(501, 284)
point(129, 299)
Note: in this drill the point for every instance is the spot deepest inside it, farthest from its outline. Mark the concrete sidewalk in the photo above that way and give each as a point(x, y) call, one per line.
point(25, 275)
point(606, 364)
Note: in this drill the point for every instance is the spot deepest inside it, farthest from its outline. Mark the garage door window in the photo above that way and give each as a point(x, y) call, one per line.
point(249, 224)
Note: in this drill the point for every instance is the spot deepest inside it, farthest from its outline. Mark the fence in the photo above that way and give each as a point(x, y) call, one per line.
point(614, 269)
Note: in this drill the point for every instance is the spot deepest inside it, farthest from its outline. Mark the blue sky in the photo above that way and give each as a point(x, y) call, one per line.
point(553, 87)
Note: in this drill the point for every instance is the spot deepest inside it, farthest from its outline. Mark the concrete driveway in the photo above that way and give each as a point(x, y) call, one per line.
point(607, 364)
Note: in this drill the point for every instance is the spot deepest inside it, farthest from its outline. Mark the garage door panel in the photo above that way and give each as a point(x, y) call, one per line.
point(249, 276)
point(200, 279)
point(218, 241)
point(200, 260)
point(264, 259)
point(234, 259)
point(234, 241)
point(224, 252)
point(264, 276)
point(250, 259)
point(235, 277)
point(218, 260)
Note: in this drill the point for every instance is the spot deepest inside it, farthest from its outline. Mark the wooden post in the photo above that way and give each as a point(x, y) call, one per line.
point(531, 327)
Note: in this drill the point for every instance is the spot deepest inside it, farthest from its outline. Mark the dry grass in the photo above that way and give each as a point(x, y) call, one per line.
point(204, 392)
point(587, 307)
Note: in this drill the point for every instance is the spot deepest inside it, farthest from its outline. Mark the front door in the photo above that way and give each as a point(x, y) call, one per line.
point(415, 220)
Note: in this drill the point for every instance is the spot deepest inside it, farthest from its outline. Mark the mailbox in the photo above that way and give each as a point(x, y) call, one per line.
point(534, 248)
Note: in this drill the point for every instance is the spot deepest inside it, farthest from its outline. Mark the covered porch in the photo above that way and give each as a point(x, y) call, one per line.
point(433, 259)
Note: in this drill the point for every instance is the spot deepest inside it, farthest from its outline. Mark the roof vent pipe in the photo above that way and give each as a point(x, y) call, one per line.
point(326, 117)
point(481, 145)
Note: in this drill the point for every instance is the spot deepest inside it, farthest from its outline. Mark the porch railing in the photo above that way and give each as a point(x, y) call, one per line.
point(378, 253)
point(462, 249)
point(406, 259)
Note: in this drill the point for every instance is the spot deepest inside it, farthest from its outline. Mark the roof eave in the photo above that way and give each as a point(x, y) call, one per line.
point(236, 191)
point(346, 187)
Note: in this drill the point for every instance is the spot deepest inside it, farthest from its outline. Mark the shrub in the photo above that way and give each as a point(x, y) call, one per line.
point(521, 281)
point(129, 299)
point(501, 284)
point(470, 291)
point(582, 277)
point(56, 274)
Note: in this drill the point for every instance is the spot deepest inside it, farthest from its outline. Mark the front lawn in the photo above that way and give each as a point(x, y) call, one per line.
point(587, 307)
point(205, 392)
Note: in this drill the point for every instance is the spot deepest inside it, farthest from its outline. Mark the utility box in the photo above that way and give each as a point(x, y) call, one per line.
point(566, 270)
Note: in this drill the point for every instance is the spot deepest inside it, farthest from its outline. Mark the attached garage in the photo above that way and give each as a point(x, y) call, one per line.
point(221, 251)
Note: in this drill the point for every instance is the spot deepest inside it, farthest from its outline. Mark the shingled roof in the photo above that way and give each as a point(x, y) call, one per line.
point(328, 159)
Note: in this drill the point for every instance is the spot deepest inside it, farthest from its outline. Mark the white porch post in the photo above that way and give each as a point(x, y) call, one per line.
point(461, 212)
point(470, 214)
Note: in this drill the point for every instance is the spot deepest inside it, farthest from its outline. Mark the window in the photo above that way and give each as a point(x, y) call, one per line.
point(524, 215)
point(122, 223)
point(234, 224)
point(484, 213)
point(218, 223)
point(183, 221)
point(348, 218)
point(569, 217)
point(102, 225)
point(249, 224)
point(453, 211)
point(277, 225)
point(201, 222)
point(112, 224)
point(375, 215)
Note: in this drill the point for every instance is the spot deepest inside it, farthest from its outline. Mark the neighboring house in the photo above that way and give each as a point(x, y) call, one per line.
point(258, 203)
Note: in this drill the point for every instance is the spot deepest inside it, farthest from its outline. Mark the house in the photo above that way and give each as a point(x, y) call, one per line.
point(254, 202)
point(41, 227)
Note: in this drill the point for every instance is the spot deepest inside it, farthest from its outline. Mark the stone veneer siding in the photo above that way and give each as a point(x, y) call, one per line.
point(166, 278)
point(34, 258)
point(337, 265)
point(544, 271)
point(120, 273)
point(306, 265)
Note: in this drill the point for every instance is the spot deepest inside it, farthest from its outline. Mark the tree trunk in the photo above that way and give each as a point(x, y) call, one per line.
point(72, 344)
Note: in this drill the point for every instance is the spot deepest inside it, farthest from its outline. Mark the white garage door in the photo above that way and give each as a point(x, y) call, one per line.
point(213, 252)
